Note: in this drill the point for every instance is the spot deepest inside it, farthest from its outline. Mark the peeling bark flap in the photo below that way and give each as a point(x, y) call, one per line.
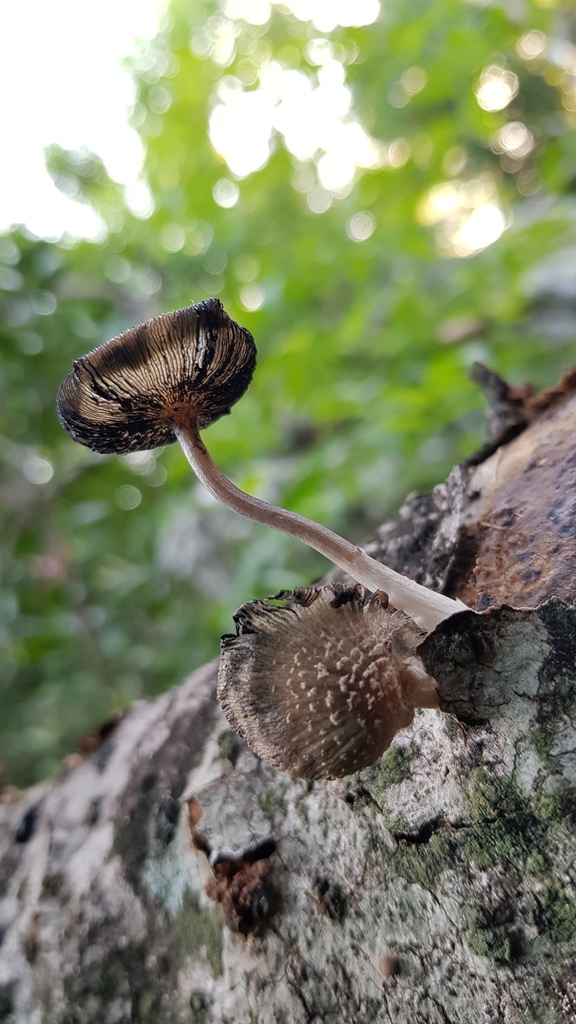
point(483, 663)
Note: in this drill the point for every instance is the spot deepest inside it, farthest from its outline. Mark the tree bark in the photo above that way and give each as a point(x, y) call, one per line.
point(171, 876)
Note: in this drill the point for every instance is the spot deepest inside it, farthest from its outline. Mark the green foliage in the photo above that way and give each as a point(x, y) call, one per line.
point(117, 576)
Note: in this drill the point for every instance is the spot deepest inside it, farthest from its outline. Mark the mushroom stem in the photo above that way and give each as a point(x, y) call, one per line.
point(425, 606)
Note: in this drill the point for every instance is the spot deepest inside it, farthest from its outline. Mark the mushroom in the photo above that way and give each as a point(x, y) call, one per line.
point(320, 686)
point(169, 378)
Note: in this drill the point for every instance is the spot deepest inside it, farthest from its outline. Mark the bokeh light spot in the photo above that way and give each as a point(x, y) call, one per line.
point(43, 303)
point(128, 497)
point(361, 226)
point(117, 269)
point(145, 282)
point(413, 80)
point(251, 297)
point(531, 44)
point(496, 88)
point(30, 343)
point(479, 229)
point(9, 251)
point(398, 152)
point(37, 470)
point(466, 213)
point(563, 53)
point(10, 280)
point(514, 138)
point(172, 237)
point(198, 238)
point(226, 193)
point(319, 200)
point(140, 462)
point(246, 269)
point(159, 99)
point(157, 476)
point(454, 161)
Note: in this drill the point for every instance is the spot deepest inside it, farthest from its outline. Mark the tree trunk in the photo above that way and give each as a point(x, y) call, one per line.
point(170, 876)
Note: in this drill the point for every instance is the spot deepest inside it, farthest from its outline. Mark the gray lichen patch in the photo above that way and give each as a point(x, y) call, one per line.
point(392, 769)
point(501, 841)
point(198, 934)
point(272, 803)
point(415, 783)
point(422, 861)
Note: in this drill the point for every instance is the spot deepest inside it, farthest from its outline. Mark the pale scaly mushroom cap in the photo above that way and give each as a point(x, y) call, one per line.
point(320, 686)
point(126, 395)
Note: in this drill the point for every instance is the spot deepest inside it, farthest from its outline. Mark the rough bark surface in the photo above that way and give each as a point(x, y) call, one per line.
point(170, 876)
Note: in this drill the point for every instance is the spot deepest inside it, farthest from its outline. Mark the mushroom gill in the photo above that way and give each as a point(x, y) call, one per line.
point(129, 394)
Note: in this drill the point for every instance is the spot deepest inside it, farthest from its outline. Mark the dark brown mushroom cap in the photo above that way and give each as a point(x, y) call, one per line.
point(320, 686)
point(126, 395)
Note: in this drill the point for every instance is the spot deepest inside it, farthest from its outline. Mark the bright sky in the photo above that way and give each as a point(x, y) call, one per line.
point(61, 81)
